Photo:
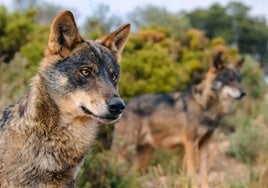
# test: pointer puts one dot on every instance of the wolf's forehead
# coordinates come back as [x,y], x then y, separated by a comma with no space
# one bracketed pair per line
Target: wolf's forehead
[89,53]
[95,47]
[100,50]
[101,53]
[233,71]
[92,52]
[229,71]
[229,74]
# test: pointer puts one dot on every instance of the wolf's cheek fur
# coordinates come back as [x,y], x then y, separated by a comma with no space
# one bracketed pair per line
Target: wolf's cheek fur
[63,81]
[217,85]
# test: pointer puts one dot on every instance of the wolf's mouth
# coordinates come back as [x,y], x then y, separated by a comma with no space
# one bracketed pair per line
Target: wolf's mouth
[103,119]
[87,111]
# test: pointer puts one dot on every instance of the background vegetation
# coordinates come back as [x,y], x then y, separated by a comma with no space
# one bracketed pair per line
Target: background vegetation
[166,52]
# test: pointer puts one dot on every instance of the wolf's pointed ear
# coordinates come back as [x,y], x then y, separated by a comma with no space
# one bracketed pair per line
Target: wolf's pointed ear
[218,63]
[116,40]
[63,36]
[240,63]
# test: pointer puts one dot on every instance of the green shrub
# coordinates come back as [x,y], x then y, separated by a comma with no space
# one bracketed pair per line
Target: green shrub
[15,78]
[99,170]
[34,50]
[249,118]
[15,29]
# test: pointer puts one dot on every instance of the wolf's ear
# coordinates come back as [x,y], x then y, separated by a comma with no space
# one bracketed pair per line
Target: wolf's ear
[218,63]
[63,36]
[116,40]
[240,63]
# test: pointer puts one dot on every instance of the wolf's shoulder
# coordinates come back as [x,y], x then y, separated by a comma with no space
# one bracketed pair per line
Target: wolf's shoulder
[148,103]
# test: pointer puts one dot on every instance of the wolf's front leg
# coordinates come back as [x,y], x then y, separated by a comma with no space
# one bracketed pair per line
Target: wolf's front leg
[189,147]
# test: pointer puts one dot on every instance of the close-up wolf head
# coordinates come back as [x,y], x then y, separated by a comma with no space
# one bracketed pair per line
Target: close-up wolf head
[82,75]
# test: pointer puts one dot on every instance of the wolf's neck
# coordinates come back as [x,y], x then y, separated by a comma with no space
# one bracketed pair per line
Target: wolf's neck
[41,107]
[68,141]
[203,95]
[209,102]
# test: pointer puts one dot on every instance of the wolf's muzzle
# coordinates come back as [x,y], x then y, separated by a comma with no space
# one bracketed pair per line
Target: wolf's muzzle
[116,106]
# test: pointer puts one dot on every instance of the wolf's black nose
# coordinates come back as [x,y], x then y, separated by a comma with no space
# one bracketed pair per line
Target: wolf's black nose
[116,105]
[243,93]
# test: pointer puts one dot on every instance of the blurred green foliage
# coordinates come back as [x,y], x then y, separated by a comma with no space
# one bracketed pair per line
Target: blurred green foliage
[34,49]
[251,128]
[153,15]
[167,52]
[101,22]
[155,62]
[234,23]
[14,80]
[15,29]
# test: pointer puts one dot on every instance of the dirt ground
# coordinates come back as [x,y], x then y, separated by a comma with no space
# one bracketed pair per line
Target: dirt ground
[224,171]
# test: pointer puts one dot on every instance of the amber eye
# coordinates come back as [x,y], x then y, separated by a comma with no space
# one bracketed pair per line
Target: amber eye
[85,72]
[114,76]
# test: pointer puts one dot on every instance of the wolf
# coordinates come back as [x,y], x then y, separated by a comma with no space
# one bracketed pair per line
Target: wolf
[47,134]
[186,118]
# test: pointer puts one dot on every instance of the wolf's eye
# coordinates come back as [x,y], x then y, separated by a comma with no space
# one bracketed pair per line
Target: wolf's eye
[114,76]
[85,72]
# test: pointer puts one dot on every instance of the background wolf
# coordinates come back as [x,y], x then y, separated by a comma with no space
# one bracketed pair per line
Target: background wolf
[45,136]
[188,118]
